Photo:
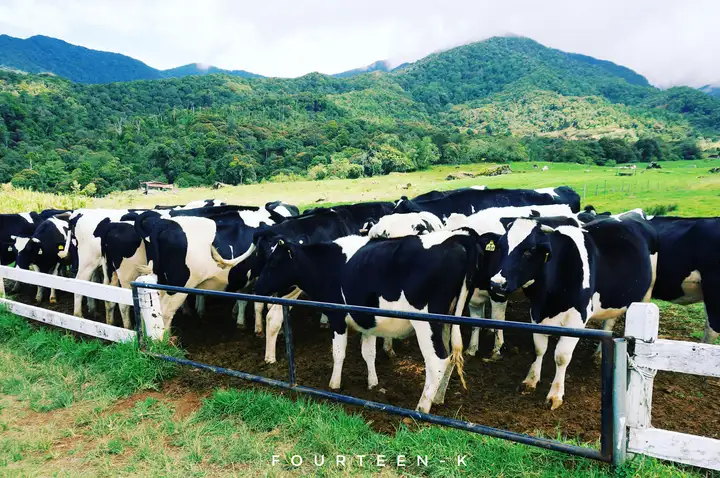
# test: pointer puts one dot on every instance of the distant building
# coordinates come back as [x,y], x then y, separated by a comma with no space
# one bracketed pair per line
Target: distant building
[156,186]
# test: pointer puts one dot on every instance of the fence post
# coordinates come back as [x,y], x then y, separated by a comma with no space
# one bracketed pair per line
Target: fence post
[641,324]
[619,452]
[150,309]
[2,287]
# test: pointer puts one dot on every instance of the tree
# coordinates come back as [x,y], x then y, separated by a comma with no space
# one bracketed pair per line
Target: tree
[688,150]
[393,159]
[424,153]
[27,179]
[648,149]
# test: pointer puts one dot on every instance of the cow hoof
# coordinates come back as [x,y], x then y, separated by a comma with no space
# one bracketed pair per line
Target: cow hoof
[390,353]
[554,402]
[496,357]
[471,352]
[527,388]
[324,325]
[259,334]
[372,385]
[53,300]
[334,386]
[270,361]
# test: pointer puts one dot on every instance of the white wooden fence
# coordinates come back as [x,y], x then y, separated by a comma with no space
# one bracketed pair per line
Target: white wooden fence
[59,319]
[650,355]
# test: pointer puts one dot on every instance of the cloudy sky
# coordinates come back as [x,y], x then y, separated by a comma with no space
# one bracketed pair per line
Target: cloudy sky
[669,41]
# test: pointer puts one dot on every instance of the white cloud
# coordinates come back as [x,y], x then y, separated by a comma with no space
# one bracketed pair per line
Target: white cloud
[668,41]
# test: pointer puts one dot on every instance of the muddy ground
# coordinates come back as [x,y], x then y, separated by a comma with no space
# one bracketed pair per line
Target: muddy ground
[681,402]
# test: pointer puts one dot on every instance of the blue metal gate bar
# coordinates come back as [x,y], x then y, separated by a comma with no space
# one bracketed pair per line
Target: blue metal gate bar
[608,412]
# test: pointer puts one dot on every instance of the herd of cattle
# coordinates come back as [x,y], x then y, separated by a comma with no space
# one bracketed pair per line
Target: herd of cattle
[436,253]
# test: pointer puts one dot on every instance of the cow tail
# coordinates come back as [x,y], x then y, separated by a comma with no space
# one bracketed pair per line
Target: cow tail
[456,357]
[230,263]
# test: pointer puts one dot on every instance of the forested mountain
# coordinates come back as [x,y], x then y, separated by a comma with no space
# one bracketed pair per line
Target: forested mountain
[712,90]
[41,54]
[504,99]
[382,65]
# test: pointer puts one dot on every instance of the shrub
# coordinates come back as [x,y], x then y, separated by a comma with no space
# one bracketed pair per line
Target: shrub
[661,209]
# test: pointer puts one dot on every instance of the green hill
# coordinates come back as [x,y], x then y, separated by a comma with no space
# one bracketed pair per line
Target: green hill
[499,100]
[41,54]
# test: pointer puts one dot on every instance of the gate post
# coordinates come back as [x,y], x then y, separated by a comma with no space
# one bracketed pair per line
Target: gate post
[641,324]
[150,309]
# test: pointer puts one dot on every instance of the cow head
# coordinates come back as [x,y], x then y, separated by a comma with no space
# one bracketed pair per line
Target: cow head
[281,271]
[404,205]
[522,253]
[46,248]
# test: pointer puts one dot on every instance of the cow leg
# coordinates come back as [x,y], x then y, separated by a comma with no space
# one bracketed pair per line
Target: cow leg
[200,305]
[710,285]
[476,306]
[608,325]
[92,303]
[85,272]
[39,293]
[368,353]
[435,367]
[239,310]
[259,309]
[274,324]
[563,355]
[388,347]
[338,350]
[324,322]
[533,376]
[259,324]
[110,306]
[169,304]
[125,314]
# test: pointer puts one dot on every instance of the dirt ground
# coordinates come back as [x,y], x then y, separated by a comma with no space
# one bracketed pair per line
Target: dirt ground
[683,403]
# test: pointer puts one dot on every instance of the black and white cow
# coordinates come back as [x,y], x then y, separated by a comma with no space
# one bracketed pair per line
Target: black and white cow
[123,252]
[86,247]
[282,208]
[15,225]
[361,215]
[322,225]
[488,223]
[45,251]
[206,252]
[589,214]
[192,205]
[571,275]
[469,201]
[429,273]
[689,265]
[405,224]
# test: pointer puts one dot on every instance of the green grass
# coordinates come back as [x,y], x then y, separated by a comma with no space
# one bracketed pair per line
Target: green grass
[692,189]
[76,407]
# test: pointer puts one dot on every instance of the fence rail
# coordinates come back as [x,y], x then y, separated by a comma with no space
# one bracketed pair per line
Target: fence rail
[649,356]
[59,319]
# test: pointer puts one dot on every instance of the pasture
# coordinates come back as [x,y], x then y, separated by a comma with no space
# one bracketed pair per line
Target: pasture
[61,411]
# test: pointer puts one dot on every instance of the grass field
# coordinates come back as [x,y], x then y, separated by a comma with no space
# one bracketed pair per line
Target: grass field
[693,189]
[71,407]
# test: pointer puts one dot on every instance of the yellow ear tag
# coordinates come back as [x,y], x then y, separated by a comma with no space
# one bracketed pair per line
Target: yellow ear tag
[547,254]
[490,246]
[61,247]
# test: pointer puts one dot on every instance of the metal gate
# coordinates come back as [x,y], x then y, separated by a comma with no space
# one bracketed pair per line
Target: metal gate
[613,367]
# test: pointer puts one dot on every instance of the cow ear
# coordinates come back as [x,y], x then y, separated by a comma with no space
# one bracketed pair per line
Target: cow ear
[546,229]
[534,213]
[507,222]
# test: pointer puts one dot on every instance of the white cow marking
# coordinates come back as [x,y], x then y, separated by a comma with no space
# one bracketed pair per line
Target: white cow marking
[21,242]
[26,216]
[403,224]
[254,218]
[479,188]
[576,234]
[498,278]
[438,237]
[518,232]
[283,211]
[550,191]
[351,244]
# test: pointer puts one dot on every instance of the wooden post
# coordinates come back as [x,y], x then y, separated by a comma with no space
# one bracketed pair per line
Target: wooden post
[641,324]
[150,309]
[596,189]
[2,287]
